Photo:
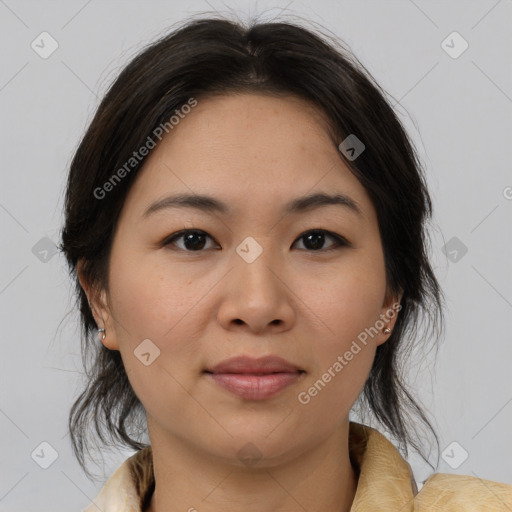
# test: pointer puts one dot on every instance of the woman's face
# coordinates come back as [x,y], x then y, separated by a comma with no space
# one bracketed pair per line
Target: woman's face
[254,281]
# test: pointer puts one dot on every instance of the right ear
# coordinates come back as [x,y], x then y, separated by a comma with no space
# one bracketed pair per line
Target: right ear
[97,298]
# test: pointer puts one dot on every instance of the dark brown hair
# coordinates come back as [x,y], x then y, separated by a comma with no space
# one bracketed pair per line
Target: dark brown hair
[219,56]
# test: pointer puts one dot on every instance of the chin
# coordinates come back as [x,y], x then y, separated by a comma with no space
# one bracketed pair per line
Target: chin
[252,448]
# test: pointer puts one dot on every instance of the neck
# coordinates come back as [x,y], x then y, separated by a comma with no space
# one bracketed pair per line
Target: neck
[320,479]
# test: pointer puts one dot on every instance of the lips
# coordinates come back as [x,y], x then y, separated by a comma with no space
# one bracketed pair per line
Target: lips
[263,365]
[255,379]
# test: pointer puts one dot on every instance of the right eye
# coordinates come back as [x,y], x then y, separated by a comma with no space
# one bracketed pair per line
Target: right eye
[192,240]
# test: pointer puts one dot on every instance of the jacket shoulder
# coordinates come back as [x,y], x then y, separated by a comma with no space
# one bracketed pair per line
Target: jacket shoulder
[118,494]
[447,493]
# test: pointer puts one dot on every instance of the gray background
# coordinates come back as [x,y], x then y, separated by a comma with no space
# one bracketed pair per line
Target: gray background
[458,111]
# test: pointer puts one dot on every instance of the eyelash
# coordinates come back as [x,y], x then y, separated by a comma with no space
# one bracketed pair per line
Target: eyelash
[339,241]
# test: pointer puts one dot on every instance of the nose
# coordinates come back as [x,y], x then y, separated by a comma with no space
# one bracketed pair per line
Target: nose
[257,297]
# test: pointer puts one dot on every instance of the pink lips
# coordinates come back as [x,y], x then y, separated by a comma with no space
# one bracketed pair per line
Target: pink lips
[255,379]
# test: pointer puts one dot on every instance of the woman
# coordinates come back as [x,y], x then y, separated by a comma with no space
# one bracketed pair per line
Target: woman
[245,222]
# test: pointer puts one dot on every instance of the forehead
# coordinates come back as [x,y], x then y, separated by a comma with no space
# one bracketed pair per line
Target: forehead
[254,124]
[244,146]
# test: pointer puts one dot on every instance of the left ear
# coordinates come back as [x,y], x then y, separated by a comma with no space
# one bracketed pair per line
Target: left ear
[388,316]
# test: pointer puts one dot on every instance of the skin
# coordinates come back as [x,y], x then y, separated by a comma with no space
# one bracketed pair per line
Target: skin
[306,305]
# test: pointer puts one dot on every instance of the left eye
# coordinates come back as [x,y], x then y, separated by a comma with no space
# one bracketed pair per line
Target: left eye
[313,240]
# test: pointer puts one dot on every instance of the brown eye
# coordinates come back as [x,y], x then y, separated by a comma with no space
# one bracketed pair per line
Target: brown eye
[314,240]
[191,240]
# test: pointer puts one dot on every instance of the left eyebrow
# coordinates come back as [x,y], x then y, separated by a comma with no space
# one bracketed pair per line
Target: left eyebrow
[320,199]
[210,204]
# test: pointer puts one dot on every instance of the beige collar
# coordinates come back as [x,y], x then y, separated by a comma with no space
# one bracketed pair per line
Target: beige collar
[385,478]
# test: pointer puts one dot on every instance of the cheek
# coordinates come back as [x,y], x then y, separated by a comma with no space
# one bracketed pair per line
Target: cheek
[150,301]
[342,363]
[347,307]
[331,392]
[350,299]
[149,304]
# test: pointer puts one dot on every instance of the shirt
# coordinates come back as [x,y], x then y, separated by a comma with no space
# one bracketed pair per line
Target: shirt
[385,483]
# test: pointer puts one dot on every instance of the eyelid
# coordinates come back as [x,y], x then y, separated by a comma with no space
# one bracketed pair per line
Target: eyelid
[178,234]
[339,241]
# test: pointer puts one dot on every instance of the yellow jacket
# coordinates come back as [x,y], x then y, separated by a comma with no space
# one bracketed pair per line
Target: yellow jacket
[386,483]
